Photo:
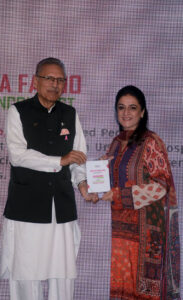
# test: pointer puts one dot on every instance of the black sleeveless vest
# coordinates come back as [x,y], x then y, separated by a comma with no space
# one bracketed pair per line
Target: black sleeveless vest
[30,192]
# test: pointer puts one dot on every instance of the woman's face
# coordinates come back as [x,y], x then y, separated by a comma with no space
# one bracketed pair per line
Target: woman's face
[129,112]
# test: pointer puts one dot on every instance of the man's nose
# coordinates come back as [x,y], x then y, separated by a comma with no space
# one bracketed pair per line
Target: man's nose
[55,82]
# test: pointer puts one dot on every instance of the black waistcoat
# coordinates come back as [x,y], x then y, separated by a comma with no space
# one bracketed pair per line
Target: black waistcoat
[31,192]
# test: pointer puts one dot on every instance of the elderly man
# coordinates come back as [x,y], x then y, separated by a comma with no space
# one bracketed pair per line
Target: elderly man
[47,152]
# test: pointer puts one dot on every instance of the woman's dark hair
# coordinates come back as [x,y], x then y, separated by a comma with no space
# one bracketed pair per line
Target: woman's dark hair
[142,126]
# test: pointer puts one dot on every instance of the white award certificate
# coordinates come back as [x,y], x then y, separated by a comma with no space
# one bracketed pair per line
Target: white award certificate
[98,176]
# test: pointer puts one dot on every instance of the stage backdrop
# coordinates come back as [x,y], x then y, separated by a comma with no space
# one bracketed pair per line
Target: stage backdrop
[105,44]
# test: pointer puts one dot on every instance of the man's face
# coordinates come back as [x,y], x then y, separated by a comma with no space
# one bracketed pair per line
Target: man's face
[48,90]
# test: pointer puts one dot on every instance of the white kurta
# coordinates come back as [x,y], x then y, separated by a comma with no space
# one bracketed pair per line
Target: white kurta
[33,251]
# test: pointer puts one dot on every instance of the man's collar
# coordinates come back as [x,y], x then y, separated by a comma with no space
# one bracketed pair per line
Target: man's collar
[37,103]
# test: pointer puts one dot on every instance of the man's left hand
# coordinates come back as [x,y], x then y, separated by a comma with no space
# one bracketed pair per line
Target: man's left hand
[84,193]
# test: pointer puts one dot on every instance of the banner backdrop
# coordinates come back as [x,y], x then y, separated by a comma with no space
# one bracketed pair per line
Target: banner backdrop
[105,44]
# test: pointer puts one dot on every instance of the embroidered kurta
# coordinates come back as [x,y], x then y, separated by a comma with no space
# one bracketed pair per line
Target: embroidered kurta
[145,255]
[33,251]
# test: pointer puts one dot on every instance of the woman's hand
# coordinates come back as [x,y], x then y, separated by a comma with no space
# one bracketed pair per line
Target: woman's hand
[106,157]
[108,196]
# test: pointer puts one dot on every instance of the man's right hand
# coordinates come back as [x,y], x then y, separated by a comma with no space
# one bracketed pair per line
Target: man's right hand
[72,157]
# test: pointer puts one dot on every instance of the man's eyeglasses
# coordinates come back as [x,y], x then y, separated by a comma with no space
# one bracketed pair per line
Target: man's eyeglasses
[51,79]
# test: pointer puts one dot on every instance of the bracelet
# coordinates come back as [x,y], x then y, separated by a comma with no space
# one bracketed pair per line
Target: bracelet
[81,182]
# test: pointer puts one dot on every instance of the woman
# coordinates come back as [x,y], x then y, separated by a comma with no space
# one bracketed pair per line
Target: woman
[145,243]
